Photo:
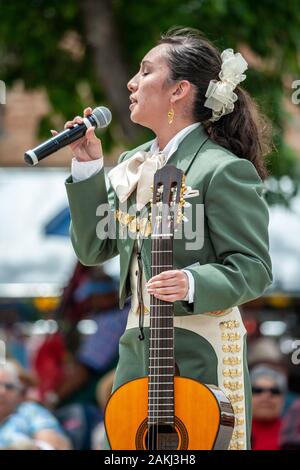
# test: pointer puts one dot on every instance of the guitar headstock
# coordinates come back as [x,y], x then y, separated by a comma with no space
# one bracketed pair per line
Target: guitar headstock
[167,201]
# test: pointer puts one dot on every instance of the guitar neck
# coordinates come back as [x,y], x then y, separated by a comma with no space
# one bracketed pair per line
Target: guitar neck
[161,347]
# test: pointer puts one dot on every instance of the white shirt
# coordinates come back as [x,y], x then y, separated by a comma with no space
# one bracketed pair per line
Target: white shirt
[83,170]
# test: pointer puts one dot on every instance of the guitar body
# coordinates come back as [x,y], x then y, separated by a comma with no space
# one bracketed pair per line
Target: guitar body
[203,418]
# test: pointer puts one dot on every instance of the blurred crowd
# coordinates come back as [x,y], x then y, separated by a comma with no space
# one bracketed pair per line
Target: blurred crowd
[275,408]
[54,386]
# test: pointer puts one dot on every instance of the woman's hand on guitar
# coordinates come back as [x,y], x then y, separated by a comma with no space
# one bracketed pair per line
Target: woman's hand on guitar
[169,285]
[89,146]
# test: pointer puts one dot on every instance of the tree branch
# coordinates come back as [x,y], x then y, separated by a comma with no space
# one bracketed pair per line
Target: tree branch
[102,38]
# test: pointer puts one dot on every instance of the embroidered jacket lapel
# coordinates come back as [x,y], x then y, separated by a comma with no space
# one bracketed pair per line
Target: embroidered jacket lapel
[188,149]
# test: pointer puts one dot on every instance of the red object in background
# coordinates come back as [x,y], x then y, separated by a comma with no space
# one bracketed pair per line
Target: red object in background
[70,309]
[48,363]
[250,325]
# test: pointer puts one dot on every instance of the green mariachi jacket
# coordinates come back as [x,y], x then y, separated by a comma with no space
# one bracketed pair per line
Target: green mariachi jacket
[232,267]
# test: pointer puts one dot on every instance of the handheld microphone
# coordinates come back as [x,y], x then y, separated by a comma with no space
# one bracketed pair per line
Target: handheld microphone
[100,118]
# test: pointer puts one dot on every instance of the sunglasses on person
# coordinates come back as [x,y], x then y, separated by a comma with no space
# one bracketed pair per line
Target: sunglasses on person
[271,390]
[8,386]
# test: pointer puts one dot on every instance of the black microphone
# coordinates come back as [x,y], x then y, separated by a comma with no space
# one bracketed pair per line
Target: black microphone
[100,118]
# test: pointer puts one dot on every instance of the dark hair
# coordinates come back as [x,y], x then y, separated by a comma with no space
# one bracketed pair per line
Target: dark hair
[245,131]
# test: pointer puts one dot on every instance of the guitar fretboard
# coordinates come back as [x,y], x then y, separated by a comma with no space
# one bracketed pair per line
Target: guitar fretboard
[161,354]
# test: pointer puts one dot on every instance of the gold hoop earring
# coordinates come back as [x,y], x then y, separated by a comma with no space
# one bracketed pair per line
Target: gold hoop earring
[171,115]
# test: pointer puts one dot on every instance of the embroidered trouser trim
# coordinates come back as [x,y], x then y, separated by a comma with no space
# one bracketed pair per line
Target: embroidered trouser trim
[209,348]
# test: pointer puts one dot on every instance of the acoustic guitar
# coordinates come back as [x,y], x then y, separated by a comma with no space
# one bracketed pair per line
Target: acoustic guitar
[165,411]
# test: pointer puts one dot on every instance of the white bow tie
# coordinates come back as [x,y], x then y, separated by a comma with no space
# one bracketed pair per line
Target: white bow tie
[137,172]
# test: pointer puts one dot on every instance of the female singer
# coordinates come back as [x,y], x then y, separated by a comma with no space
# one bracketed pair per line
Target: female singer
[188,94]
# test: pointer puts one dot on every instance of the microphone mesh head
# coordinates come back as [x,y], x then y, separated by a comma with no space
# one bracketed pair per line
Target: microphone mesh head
[102,116]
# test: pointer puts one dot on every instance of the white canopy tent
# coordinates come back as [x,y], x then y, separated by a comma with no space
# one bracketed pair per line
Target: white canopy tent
[31,263]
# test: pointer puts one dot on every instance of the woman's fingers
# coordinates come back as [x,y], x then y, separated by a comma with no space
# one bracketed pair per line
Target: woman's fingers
[168,297]
[68,124]
[160,284]
[53,132]
[164,290]
[166,278]
[78,119]
[87,147]
[87,111]
[165,275]
[78,143]
[169,285]
[91,136]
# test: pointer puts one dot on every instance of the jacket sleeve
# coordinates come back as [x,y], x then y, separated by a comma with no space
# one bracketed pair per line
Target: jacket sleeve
[237,217]
[92,219]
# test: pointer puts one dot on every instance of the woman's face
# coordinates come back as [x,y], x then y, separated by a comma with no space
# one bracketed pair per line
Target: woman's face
[150,98]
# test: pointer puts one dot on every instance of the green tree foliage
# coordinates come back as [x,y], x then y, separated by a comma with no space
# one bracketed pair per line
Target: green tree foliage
[31,34]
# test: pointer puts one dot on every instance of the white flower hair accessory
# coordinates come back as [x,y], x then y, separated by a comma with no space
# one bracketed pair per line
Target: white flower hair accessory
[219,94]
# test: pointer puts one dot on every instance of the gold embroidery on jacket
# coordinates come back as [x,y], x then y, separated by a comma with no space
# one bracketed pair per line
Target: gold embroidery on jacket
[135,224]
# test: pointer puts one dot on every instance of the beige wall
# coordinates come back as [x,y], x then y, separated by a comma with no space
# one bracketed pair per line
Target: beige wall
[18,129]
[22,112]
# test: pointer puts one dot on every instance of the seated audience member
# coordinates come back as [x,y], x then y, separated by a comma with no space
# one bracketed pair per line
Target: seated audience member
[269,387]
[25,424]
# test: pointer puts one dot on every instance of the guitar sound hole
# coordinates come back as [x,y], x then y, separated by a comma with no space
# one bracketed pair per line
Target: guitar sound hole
[161,437]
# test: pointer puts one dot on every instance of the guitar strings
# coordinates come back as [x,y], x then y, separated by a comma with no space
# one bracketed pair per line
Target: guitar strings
[161,256]
[156,343]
